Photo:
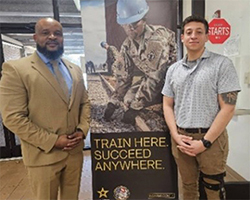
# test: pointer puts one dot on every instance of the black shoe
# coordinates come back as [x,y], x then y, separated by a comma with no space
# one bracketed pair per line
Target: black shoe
[109,111]
[129,116]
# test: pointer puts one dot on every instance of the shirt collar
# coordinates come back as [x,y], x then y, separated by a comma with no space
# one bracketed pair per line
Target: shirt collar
[205,54]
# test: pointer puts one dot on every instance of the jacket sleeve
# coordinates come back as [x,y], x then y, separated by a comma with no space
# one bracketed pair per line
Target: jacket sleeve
[14,110]
[84,110]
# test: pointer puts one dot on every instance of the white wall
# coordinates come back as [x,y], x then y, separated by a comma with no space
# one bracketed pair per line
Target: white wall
[239,149]
[187,8]
[237,48]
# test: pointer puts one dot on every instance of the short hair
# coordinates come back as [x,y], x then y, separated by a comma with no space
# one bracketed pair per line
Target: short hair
[194,18]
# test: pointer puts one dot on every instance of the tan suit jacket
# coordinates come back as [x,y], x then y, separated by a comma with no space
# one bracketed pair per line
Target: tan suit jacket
[34,107]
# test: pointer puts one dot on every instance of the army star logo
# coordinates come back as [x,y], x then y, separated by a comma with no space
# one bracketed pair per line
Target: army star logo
[103,193]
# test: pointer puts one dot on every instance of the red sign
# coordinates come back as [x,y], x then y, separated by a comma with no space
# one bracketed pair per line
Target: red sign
[219,31]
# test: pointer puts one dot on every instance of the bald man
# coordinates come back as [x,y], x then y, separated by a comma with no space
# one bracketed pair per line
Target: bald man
[45,103]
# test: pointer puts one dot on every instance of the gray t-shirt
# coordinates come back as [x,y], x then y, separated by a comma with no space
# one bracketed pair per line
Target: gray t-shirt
[195,89]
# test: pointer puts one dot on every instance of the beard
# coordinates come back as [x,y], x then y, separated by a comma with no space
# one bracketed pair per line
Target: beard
[52,55]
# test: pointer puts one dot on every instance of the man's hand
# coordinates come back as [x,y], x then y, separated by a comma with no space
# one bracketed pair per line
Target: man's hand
[75,138]
[69,142]
[182,140]
[194,148]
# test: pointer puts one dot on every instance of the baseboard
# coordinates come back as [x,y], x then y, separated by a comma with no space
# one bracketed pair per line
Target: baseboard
[233,175]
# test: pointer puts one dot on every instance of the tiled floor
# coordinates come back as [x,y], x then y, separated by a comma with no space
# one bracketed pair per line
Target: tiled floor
[14,182]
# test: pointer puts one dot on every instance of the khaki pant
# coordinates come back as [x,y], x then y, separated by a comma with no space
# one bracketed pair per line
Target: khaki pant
[211,162]
[61,178]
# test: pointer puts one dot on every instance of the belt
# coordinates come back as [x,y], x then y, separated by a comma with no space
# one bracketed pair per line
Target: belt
[194,130]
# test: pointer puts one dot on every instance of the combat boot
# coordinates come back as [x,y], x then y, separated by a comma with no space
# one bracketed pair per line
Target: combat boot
[129,116]
[109,111]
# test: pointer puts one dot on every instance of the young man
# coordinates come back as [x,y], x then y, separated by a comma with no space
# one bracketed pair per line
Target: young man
[200,94]
[44,101]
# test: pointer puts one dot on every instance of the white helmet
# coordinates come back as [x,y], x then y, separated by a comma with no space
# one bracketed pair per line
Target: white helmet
[130,11]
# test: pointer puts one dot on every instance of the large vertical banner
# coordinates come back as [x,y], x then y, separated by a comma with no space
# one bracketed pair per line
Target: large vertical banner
[129,45]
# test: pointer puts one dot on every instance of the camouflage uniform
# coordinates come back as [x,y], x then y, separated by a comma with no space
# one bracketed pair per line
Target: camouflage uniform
[152,56]
[111,54]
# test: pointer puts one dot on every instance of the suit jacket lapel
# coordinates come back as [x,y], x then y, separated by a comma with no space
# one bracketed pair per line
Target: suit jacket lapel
[40,66]
[74,80]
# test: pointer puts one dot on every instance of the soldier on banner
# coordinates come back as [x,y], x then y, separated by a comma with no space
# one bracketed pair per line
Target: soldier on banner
[149,48]
[112,54]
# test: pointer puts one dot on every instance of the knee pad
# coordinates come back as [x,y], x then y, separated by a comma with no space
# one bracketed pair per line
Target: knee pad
[215,187]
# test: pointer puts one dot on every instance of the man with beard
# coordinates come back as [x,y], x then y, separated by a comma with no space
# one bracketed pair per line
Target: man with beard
[44,102]
[149,48]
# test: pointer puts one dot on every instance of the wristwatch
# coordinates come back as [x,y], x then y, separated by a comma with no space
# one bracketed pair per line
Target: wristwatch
[206,143]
